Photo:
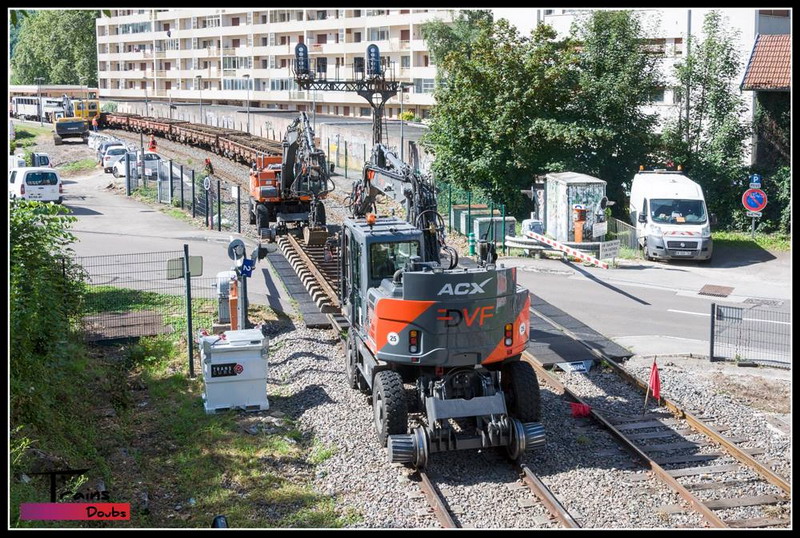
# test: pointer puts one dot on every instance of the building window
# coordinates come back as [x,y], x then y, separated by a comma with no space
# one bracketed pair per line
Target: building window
[264,41]
[356,13]
[322,39]
[237,84]
[356,37]
[657,95]
[364,111]
[378,34]
[423,85]
[322,15]
[235,21]
[322,65]
[405,62]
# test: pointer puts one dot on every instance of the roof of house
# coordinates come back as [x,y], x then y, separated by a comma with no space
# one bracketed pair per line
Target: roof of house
[770,65]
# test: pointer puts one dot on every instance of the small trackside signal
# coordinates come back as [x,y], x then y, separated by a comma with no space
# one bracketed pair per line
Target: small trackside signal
[509,334]
[413,341]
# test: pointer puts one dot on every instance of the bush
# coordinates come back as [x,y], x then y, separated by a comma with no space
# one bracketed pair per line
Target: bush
[46,290]
[407,115]
[12,147]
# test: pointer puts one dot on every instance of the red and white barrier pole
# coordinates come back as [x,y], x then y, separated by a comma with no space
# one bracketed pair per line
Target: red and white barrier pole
[564,248]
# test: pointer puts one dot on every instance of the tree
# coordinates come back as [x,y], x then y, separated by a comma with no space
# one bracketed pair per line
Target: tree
[58,46]
[711,141]
[502,109]
[618,77]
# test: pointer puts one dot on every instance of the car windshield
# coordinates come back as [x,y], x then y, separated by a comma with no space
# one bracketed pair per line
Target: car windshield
[386,258]
[41,178]
[116,151]
[678,211]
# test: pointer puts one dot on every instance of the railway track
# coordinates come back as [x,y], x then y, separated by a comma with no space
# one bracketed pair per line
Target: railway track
[713,476]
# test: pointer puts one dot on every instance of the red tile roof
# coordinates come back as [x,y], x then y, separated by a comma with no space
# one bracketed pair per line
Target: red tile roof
[770,66]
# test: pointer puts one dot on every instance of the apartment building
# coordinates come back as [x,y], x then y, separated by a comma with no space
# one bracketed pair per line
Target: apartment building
[234,56]
[667,30]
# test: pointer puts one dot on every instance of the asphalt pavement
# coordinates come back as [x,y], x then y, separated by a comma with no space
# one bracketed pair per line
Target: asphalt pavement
[652,308]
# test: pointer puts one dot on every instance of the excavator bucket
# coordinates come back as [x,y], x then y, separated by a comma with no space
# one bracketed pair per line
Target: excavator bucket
[316,237]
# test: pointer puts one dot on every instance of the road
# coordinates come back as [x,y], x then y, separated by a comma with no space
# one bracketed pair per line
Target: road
[654,308]
[650,308]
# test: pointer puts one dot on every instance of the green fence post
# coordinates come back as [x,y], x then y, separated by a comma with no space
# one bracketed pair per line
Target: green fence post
[469,210]
[193,197]
[450,207]
[504,229]
[345,160]
[181,186]
[187,276]
[219,206]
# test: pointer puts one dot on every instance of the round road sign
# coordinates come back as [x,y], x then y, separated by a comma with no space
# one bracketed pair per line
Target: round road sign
[754,199]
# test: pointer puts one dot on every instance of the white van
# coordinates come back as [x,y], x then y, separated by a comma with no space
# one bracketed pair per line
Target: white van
[40,184]
[670,215]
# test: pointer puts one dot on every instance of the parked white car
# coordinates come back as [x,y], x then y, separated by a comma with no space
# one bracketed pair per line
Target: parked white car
[112,155]
[151,161]
[40,184]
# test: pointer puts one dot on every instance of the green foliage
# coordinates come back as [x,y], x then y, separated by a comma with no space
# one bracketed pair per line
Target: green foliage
[617,79]
[12,147]
[711,144]
[45,295]
[510,107]
[58,45]
[108,107]
[28,155]
[79,166]
[775,242]
[406,115]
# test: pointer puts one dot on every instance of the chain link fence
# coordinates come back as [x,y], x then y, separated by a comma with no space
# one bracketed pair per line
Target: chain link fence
[146,294]
[623,232]
[756,334]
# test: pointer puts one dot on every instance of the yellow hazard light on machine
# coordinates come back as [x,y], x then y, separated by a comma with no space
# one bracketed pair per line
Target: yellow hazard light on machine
[371,218]
[509,334]
[680,167]
[413,341]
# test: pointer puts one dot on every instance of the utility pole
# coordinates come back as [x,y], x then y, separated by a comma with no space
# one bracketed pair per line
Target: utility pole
[39,93]
[199,80]
[146,102]
[247,78]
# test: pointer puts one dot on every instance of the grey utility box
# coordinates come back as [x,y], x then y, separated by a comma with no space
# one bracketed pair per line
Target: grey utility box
[480,227]
[563,190]
[235,371]
[223,294]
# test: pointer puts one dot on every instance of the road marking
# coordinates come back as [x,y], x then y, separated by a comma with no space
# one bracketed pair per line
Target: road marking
[745,319]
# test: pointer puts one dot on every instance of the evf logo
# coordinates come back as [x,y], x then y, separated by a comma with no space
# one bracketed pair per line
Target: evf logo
[463,288]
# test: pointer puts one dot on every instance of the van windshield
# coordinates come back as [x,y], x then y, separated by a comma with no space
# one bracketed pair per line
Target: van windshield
[678,211]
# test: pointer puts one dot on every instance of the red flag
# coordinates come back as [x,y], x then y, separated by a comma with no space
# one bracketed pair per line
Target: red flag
[580,410]
[655,382]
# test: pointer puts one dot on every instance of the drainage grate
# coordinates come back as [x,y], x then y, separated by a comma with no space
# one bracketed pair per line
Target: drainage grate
[763,302]
[716,291]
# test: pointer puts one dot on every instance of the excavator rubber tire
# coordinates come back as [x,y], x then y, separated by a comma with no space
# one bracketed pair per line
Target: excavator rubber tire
[521,387]
[389,405]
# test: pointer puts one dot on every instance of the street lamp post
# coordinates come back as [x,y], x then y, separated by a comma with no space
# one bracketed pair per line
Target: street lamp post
[146,101]
[40,108]
[199,80]
[247,78]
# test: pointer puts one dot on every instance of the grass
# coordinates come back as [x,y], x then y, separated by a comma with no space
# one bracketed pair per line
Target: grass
[76,167]
[27,134]
[176,453]
[772,242]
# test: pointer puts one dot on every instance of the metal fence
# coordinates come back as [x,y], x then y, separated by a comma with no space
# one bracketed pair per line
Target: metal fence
[219,204]
[624,232]
[756,334]
[146,294]
[461,207]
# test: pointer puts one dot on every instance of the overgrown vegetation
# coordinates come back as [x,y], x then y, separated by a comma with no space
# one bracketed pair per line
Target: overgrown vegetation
[76,167]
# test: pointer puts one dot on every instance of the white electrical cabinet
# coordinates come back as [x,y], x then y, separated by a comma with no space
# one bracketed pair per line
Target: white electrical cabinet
[235,371]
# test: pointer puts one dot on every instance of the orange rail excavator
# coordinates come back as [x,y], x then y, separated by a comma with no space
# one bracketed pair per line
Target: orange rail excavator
[290,188]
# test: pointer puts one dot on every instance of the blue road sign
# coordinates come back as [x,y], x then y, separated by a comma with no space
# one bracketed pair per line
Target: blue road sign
[247,267]
[755,178]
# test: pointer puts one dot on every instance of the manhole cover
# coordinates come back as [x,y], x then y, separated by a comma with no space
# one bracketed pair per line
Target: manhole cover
[716,291]
[763,302]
